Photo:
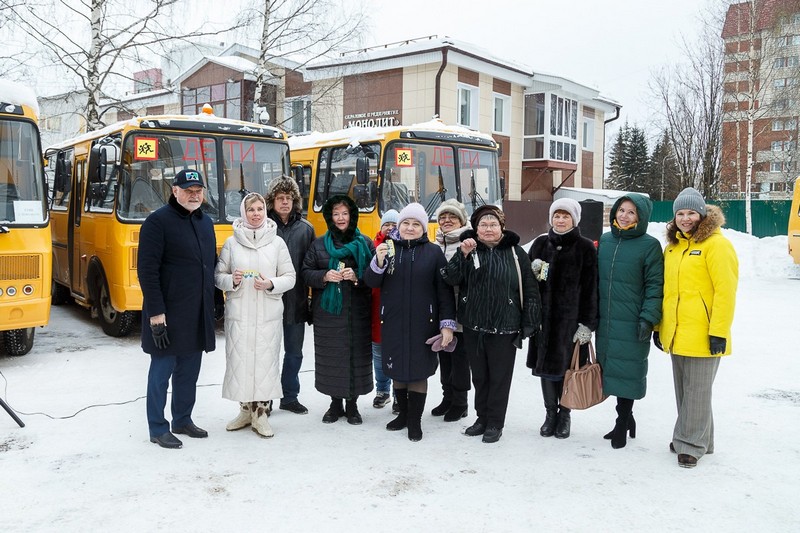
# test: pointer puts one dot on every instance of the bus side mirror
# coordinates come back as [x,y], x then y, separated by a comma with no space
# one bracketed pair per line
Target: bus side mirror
[61,179]
[362,196]
[297,174]
[100,158]
[362,171]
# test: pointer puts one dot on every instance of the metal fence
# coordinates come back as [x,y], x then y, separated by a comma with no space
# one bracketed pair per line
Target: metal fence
[770,217]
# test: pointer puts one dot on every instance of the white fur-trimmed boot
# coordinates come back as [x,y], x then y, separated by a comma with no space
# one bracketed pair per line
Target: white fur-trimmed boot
[259,420]
[242,420]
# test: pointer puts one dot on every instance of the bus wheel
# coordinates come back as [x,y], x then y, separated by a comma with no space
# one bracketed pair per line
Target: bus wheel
[19,341]
[59,294]
[115,323]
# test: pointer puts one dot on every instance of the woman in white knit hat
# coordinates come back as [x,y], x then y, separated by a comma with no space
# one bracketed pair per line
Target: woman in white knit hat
[383,383]
[416,305]
[701,273]
[565,265]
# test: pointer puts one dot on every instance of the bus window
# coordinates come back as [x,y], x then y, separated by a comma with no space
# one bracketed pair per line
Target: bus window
[423,173]
[249,167]
[337,173]
[150,161]
[21,181]
[479,181]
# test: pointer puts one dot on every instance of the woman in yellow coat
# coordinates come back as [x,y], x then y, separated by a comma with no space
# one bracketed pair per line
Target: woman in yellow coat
[701,273]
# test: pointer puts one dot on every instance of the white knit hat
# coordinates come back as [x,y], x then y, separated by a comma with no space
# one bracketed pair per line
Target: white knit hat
[390,216]
[415,211]
[570,206]
[451,205]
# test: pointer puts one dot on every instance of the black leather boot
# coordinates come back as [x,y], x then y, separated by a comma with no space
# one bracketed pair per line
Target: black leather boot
[623,424]
[631,424]
[563,419]
[550,395]
[334,412]
[563,423]
[351,410]
[416,405]
[401,395]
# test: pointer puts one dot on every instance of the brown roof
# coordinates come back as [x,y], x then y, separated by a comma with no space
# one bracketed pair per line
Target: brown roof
[737,19]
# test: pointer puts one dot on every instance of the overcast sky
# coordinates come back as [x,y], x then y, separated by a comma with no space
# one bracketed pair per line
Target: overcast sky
[610,44]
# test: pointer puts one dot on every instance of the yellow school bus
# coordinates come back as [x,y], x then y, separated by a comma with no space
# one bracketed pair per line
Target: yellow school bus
[794,224]
[390,167]
[106,182]
[25,262]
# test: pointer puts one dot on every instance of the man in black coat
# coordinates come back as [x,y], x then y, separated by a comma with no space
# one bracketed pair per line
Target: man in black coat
[285,207]
[177,251]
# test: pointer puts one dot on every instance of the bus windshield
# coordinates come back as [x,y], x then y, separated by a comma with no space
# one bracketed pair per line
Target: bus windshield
[432,173]
[151,161]
[22,197]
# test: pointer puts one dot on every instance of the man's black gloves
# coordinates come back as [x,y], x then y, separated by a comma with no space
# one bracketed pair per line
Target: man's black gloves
[160,337]
[657,341]
[717,344]
[644,331]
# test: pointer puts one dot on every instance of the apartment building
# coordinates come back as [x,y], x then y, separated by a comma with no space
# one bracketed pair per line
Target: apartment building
[762,87]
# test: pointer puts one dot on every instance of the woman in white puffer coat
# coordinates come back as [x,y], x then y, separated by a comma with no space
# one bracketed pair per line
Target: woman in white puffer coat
[254,269]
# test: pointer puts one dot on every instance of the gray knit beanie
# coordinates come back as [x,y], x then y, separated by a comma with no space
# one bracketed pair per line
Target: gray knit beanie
[689,198]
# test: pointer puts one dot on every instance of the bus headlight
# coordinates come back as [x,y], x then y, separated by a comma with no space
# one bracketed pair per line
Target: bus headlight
[27,290]
[1,291]
[11,291]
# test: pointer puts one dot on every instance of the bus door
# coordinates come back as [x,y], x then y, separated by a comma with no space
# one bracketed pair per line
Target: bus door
[76,254]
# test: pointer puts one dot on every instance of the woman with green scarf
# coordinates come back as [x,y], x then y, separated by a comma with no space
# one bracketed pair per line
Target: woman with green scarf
[341,308]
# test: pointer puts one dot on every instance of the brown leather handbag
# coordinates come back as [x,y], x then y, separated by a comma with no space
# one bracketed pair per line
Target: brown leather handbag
[583,387]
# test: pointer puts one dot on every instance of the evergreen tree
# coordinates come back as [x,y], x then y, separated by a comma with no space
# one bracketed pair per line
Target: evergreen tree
[663,171]
[616,163]
[637,161]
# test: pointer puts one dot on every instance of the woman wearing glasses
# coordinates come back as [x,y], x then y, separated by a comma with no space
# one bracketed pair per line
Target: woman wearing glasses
[498,306]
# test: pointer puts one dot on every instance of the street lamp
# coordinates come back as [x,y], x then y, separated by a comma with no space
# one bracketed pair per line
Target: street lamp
[663,164]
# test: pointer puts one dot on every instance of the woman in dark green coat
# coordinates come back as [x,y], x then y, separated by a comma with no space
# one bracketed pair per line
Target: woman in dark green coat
[631,268]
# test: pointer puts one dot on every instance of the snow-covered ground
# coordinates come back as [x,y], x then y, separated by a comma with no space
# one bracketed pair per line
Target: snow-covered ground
[84,463]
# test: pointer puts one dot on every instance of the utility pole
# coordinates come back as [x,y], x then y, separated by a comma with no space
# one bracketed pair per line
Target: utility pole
[663,164]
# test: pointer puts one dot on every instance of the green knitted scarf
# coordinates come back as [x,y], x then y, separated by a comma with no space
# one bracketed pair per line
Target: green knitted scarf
[357,249]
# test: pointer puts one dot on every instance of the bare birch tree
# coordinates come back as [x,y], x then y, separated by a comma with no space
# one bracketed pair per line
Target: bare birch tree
[93,40]
[303,30]
[690,95]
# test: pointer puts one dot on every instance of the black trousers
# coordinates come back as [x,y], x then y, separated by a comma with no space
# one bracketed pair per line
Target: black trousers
[491,358]
[454,373]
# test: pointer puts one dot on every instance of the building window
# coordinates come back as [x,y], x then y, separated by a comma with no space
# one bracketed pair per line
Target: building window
[587,135]
[468,106]
[777,125]
[502,114]
[224,98]
[777,146]
[297,112]
[776,166]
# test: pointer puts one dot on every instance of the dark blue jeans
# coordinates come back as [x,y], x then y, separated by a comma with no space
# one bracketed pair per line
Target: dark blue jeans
[293,336]
[383,383]
[183,370]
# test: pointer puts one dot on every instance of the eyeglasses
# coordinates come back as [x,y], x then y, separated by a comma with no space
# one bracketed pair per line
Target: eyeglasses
[489,226]
[447,216]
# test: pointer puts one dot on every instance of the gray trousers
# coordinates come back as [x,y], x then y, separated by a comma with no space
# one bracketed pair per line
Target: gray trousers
[694,379]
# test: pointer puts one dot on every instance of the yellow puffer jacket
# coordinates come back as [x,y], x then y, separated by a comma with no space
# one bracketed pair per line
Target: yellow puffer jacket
[701,273]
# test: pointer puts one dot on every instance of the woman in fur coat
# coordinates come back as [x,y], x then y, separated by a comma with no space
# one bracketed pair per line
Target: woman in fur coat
[254,270]
[565,264]
[701,273]
[341,307]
